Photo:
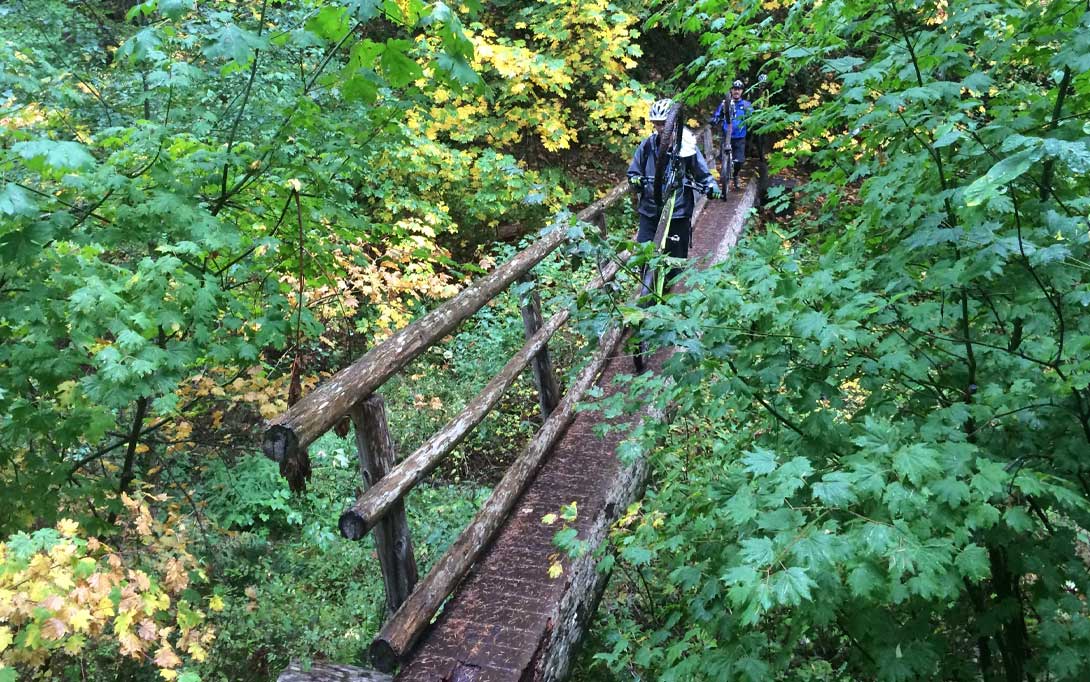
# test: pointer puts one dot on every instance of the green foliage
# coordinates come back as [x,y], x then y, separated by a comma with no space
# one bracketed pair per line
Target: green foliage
[206,205]
[213,190]
[276,581]
[879,455]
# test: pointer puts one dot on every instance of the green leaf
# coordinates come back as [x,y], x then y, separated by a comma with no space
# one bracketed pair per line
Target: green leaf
[458,68]
[331,23]
[760,461]
[234,44]
[53,155]
[1003,172]
[175,9]
[637,556]
[835,489]
[362,10]
[973,563]
[1019,520]
[757,551]
[917,463]
[863,580]
[950,491]
[399,68]
[14,200]
[792,587]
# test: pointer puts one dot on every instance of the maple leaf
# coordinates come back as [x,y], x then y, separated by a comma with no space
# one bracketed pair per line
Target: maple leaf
[74,645]
[147,630]
[176,578]
[54,629]
[68,527]
[131,645]
[143,583]
[80,620]
[166,658]
[197,652]
[53,602]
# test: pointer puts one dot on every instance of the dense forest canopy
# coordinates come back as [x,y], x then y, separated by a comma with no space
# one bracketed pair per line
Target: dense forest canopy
[878,464]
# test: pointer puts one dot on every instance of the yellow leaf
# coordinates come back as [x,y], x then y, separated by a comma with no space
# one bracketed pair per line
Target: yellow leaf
[80,620]
[549,519]
[123,622]
[74,645]
[168,674]
[215,603]
[67,527]
[198,653]
[5,637]
[556,570]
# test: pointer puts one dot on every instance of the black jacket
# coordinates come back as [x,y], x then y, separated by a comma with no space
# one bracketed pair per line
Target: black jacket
[643,164]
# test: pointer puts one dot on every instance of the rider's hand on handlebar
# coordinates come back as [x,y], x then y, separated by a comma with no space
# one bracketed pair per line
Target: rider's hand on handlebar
[714,192]
[636,183]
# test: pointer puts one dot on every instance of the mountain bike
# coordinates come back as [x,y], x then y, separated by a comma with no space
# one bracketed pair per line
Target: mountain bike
[726,154]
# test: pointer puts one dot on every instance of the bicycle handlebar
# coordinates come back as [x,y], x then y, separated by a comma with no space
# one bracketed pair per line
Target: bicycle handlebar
[703,189]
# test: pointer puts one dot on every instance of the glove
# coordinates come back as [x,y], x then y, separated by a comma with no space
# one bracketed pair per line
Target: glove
[714,192]
[636,183]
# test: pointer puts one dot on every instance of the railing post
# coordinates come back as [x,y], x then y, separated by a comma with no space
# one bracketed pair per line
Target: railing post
[548,391]
[392,542]
[600,221]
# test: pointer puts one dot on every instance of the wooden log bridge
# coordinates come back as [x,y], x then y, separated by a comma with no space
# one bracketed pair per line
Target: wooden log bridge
[502,616]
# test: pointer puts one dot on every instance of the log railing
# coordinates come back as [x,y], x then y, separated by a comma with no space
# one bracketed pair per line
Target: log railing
[351,393]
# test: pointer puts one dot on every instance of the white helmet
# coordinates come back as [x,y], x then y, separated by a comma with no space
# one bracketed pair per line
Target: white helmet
[660,109]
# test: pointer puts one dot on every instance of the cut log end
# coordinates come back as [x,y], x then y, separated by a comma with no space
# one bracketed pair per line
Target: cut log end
[383,656]
[280,443]
[352,525]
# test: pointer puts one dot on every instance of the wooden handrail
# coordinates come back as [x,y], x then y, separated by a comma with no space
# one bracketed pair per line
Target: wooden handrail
[288,435]
[373,504]
[405,627]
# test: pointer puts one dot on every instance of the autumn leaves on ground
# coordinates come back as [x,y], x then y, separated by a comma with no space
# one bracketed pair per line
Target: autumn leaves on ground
[877,467]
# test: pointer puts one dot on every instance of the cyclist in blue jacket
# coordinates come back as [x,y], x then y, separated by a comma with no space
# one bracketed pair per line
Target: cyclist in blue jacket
[734,125]
[641,173]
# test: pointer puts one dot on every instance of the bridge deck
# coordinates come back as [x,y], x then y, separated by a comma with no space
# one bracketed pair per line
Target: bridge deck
[503,620]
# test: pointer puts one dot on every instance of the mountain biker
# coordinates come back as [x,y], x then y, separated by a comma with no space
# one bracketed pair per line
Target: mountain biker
[734,125]
[641,173]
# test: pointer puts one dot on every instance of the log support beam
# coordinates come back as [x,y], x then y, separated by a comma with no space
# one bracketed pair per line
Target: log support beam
[392,542]
[548,390]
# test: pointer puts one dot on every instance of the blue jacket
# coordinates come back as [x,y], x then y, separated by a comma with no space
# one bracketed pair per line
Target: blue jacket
[643,165]
[738,112]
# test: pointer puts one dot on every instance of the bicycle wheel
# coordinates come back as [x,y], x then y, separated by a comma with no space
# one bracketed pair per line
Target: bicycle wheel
[669,149]
[726,164]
